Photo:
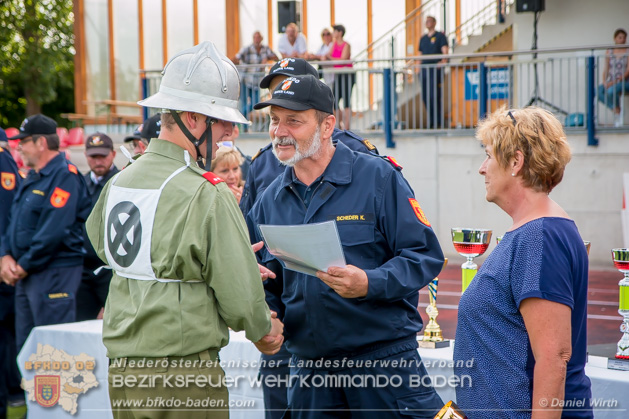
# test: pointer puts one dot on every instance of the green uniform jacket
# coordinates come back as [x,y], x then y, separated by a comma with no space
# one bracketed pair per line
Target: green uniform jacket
[198,234]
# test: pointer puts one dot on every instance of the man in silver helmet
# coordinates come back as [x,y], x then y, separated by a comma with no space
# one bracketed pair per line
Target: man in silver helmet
[183,269]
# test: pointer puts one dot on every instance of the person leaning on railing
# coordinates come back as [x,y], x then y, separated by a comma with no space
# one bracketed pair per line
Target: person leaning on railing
[615,76]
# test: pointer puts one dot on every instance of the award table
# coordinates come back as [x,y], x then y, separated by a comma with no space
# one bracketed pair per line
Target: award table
[76,354]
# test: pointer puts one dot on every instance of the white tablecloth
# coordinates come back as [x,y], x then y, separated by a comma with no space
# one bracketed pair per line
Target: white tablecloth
[241,361]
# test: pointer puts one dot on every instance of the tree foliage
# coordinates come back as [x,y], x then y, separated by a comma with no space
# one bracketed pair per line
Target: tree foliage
[36,58]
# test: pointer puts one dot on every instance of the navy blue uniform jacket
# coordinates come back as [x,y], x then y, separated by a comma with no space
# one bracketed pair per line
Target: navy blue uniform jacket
[50,207]
[265,167]
[380,229]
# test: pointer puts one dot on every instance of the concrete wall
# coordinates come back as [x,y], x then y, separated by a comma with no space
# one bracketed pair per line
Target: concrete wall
[443,171]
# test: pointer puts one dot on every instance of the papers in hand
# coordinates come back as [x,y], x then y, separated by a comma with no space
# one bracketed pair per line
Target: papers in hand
[306,248]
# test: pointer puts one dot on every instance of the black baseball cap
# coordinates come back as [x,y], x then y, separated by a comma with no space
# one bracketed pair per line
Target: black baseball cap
[289,67]
[98,144]
[150,128]
[36,124]
[301,93]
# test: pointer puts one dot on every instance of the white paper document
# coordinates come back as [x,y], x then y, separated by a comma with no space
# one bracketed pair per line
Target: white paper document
[306,248]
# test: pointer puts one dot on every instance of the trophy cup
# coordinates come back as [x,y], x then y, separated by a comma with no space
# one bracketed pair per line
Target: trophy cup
[470,242]
[433,338]
[450,411]
[621,262]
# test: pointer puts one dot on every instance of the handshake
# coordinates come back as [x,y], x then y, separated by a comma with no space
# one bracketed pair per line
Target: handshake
[272,342]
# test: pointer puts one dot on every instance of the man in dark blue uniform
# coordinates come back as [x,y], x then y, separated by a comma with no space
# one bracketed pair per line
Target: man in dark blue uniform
[92,294]
[9,377]
[358,319]
[266,167]
[42,248]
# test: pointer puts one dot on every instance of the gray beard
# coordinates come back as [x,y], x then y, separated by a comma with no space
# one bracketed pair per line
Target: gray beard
[311,151]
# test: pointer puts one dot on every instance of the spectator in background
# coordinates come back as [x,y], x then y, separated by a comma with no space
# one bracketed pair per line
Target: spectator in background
[100,154]
[432,43]
[10,180]
[343,81]
[226,165]
[255,53]
[292,44]
[149,129]
[615,76]
[42,250]
[322,55]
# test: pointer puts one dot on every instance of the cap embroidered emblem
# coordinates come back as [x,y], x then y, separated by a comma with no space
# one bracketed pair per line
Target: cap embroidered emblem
[284,62]
[96,141]
[286,84]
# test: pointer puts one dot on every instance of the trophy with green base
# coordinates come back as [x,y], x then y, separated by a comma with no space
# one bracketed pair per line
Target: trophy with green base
[433,337]
[470,242]
[621,261]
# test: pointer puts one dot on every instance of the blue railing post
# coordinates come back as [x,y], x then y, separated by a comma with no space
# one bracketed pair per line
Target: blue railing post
[591,100]
[145,93]
[387,124]
[482,94]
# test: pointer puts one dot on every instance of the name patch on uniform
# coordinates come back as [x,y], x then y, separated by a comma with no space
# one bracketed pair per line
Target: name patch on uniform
[352,217]
[8,180]
[38,192]
[212,178]
[58,295]
[59,198]
[419,212]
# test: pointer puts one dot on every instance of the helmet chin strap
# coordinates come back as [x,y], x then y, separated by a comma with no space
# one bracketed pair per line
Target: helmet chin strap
[197,142]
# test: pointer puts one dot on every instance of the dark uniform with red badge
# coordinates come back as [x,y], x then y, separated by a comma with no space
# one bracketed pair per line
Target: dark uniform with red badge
[44,235]
[9,377]
[385,234]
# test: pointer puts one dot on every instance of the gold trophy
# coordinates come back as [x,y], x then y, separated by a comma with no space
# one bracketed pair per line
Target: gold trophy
[433,338]
[450,411]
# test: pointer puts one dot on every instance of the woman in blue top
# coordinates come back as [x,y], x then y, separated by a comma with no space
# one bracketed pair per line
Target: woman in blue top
[523,318]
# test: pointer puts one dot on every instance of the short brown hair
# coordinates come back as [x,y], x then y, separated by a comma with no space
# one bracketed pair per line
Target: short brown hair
[537,134]
[619,31]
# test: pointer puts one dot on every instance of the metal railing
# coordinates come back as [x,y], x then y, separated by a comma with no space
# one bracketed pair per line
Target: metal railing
[397,94]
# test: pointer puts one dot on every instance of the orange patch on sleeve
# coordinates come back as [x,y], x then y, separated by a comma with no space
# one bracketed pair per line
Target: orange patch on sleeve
[419,212]
[73,169]
[59,198]
[7,180]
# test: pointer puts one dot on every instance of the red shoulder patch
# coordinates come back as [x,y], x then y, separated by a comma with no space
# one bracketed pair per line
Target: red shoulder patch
[212,178]
[394,163]
[72,168]
[419,212]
